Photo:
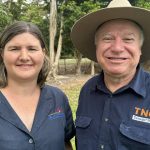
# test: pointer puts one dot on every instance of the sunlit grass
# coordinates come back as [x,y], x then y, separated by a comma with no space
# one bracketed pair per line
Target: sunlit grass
[72,93]
[71,87]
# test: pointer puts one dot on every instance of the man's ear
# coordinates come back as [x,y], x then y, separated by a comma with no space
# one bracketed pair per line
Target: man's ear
[140,52]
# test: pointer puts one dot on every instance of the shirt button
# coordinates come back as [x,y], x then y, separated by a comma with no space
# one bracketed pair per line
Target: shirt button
[106,119]
[110,95]
[30,141]
[102,146]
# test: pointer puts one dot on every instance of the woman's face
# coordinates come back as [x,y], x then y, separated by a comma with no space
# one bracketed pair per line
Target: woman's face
[23,58]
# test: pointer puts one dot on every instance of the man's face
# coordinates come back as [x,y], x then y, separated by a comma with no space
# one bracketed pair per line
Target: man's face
[118,47]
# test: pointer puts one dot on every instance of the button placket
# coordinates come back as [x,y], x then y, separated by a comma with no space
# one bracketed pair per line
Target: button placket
[31,141]
[102,146]
[106,119]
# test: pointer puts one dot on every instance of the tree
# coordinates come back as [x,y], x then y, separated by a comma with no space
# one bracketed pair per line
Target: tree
[55,25]
[5,16]
[57,32]
[15,8]
[72,12]
[37,13]
[143,3]
[52,33]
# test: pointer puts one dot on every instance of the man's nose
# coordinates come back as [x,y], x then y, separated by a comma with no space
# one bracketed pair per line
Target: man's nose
[117,45]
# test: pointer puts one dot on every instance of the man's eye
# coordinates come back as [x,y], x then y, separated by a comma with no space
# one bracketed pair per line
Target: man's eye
[107,39]
[128,40]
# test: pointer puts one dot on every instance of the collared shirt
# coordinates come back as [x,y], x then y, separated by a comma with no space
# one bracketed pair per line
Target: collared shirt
[52,126]
[114,121]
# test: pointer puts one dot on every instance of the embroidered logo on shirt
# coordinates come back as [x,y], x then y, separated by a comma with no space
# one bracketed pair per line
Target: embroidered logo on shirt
[142,115]
[57,114]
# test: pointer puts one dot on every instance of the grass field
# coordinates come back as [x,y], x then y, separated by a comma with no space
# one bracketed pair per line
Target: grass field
[71,88]
[73,94]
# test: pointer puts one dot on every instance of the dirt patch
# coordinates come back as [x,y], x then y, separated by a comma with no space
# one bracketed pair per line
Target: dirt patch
[68,80]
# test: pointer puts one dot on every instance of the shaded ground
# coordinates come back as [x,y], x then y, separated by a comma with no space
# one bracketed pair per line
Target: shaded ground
[68,81]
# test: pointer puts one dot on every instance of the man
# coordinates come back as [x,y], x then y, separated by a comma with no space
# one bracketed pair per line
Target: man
[114,106]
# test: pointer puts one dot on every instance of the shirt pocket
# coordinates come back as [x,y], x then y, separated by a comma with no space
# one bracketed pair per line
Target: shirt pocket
[83,131]
[82,122]
[134,137]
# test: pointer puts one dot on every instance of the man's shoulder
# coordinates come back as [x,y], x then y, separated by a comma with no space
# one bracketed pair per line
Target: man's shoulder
[92,82]
[146,76]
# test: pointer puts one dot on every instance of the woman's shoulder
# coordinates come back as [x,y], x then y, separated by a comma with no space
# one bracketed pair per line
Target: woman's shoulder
[56,95]
[54,92]
[52,89]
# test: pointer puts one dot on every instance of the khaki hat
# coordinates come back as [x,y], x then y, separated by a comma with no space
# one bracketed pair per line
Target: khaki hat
[83,31]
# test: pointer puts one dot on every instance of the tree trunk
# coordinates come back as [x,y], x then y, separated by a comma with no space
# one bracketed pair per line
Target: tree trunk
[9,4]
[78,66]
[59,48]
[92,68]
[55,53]
[52,30]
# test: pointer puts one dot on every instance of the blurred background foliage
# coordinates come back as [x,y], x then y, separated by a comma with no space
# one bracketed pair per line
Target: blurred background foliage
[38,12]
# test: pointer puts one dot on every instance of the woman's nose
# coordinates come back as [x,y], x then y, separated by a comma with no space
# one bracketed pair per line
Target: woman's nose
[24,56]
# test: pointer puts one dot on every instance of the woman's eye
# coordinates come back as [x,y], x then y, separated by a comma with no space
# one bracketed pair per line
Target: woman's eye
[14,49]
[32,49]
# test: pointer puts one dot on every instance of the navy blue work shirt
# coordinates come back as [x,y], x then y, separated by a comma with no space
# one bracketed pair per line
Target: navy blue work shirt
[114,121]
[52,126]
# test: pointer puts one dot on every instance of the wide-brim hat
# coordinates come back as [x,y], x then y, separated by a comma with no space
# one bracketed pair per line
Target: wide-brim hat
[83,31]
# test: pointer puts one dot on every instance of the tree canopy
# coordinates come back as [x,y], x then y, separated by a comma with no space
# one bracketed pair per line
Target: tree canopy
[38,12]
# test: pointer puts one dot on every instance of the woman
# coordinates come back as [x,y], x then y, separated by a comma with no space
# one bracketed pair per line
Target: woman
[32,115]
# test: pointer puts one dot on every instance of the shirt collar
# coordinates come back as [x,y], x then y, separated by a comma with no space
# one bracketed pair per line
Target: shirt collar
[137,84]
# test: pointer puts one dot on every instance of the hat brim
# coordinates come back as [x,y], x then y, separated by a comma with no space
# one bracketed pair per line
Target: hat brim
[83,31]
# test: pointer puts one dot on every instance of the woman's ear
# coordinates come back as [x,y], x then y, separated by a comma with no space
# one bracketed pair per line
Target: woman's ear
[1,55]
[44,50]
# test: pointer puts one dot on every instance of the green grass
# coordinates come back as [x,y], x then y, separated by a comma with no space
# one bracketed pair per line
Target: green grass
[72,93]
